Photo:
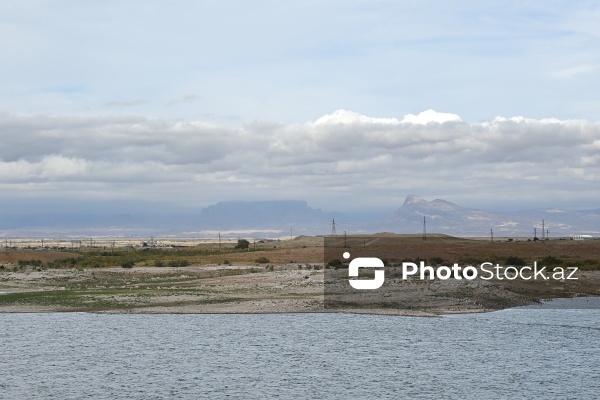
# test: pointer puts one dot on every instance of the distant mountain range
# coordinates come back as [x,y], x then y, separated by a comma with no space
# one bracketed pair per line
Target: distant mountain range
[441,216]
[292,217]
[444,217]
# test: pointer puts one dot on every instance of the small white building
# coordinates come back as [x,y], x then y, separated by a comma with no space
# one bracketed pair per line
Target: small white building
[583,237]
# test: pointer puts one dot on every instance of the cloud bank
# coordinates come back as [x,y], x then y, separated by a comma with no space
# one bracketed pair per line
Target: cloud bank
[341,161]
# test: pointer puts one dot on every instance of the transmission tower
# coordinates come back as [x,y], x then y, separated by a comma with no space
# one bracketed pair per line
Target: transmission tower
[424,229]
[333,231]
[543,230]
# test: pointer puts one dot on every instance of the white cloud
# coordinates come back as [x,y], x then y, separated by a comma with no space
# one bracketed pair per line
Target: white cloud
[345,117]
[331,162]
[348,117]
[57,166]
[430,116]
[51,167]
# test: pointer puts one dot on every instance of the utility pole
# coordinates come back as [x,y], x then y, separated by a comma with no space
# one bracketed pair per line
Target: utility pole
[535,233]
[291,233]
[219,242]
[344,238]
[492,234]
[547,231]
[424,229]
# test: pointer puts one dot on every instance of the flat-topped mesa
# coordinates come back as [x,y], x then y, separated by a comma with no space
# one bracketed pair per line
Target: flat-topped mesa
[277,215]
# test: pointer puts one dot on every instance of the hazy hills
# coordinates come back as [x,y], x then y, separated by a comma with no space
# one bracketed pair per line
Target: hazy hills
[265,216]
[441,216]
[278,218]
[445,217]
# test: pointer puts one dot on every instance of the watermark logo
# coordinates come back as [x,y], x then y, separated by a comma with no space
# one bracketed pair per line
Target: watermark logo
[426,272]
[366,262]
[389,272]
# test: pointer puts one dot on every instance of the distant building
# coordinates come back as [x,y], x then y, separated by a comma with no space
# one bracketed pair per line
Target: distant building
[583,237]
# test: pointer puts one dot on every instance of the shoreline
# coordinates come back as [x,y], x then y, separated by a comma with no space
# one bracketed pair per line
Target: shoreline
[238,289]
[391,313]
[282,277]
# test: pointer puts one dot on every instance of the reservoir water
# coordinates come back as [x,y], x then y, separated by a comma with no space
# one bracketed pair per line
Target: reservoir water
[517,353]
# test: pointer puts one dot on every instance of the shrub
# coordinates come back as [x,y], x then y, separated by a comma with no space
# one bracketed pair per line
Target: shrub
[514,260]
[335,263]
[33,263]
[550,261]
[179,263]
[590,265]
[242,244]
[262,260]
[127,264]
[470,261]
[159,264]
[436,260]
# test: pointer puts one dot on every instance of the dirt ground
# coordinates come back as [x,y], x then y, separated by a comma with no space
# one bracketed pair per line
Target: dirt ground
[294,280]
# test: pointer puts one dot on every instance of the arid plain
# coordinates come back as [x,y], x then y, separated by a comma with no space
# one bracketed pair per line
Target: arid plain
[280,276]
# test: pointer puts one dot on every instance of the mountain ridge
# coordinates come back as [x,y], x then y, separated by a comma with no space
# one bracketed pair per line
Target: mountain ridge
[295,217]
[443,216]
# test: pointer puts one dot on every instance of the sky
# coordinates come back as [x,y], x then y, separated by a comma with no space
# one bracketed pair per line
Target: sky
[350,105]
